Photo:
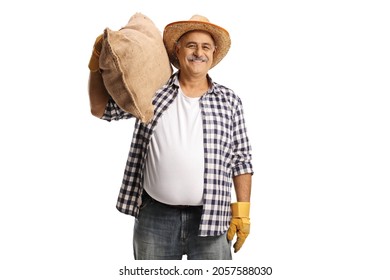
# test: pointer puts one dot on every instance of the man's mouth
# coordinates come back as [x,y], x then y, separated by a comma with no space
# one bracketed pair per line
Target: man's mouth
[193,58]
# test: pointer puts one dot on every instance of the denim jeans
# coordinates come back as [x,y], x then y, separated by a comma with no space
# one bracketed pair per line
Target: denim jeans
[163,232]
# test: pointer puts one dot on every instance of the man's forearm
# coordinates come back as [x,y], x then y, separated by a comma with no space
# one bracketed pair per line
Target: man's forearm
[242,186]
[98,95]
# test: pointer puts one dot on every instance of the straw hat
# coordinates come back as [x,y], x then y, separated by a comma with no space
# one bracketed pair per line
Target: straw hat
[175,30]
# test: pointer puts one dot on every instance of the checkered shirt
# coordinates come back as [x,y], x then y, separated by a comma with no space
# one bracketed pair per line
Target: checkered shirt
[226,148]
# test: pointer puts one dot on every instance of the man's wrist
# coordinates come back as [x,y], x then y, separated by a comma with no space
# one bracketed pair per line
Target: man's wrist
[240,209]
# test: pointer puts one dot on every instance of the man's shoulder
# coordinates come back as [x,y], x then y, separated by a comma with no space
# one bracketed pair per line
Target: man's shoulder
[166,92]
[223,90]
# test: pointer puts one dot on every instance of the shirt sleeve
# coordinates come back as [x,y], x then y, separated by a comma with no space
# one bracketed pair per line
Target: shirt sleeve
[242,150]
[114,113]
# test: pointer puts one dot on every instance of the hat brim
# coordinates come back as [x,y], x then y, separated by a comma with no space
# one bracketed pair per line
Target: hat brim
[175,30]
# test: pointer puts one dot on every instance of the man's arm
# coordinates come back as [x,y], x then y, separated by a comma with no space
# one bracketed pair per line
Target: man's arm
[240,223]
[98,95]
[242,186]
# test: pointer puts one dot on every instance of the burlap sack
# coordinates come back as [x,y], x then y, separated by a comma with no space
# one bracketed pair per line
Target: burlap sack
[134,64]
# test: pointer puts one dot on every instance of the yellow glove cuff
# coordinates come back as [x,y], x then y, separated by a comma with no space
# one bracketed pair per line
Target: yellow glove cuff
[93,64]
[240,209]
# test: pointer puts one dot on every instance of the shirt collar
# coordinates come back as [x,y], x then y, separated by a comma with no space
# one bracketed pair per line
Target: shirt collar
[214,89]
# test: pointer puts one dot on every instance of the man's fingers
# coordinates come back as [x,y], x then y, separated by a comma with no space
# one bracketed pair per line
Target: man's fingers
[240,241]
[241,237]
[231,232]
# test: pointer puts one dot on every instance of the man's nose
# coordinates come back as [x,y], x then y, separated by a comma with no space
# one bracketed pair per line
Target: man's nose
[197,51]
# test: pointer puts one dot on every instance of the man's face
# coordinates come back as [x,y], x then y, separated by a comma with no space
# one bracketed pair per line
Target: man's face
[195,52]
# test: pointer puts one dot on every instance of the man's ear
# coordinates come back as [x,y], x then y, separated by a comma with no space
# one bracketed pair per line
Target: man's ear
[177,48]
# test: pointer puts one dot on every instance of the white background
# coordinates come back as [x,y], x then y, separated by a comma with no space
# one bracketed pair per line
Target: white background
[314,80]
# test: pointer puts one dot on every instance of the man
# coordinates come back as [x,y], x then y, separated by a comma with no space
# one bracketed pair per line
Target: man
[182,165]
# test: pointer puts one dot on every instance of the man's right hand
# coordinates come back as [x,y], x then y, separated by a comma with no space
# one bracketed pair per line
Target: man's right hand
[97,48]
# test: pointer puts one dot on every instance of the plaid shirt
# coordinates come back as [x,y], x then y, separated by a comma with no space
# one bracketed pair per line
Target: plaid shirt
[226,148]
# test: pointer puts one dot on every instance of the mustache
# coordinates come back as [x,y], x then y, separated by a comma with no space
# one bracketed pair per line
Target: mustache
[192,57]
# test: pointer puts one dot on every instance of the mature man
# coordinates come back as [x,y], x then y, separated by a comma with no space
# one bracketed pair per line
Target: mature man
[183,164]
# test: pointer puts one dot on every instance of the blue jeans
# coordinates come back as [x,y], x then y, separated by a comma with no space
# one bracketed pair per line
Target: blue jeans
[163,232]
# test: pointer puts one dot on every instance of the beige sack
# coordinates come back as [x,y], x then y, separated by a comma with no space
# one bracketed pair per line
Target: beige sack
[134,65]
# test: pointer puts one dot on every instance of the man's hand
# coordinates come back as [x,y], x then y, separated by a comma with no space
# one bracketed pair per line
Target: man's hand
[97,48]
[240,224]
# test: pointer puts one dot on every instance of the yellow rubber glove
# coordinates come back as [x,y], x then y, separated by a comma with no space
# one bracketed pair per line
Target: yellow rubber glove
[240,224]
[97,48]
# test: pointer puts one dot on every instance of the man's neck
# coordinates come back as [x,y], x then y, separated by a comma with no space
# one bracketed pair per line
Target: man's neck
[193,86]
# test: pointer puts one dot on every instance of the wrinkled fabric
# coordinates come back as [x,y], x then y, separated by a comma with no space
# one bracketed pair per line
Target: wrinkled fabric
[134,65]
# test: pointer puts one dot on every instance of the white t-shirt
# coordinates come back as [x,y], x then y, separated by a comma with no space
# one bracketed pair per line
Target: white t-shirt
[174,168]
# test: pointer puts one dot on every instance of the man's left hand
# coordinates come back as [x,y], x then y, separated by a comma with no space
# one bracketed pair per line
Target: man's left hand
[240,224]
